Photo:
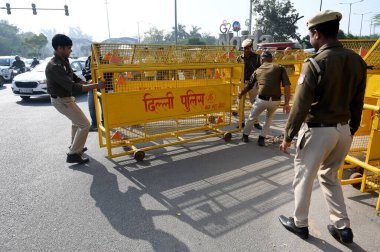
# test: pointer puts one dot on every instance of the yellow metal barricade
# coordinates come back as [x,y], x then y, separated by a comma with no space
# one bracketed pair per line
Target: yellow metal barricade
[158,96]
[361,47]
[364,155]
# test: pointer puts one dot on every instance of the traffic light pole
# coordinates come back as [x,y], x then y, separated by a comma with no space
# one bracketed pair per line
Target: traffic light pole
[34,9]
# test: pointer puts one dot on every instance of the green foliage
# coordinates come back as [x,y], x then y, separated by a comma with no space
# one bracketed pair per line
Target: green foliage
[276,18]
[9,40]
[155,36]
[196,41]
[34,44]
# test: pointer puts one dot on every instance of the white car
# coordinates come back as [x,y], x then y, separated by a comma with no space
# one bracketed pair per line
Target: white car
[33,83]
[5,71]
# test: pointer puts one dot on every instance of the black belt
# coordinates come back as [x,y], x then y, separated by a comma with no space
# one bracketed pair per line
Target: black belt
[321,125]
[267,98]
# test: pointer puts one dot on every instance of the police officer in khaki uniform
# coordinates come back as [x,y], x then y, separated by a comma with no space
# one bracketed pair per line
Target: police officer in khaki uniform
[327,107]
[62,85]
[251,63]
[269,77]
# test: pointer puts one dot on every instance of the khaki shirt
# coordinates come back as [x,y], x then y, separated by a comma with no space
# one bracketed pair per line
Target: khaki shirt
[337,98]
[269,77]
[60,78]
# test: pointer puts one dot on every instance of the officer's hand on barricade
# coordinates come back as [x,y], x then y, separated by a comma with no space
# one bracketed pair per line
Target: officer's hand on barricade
[284,146]
[101,84]
[286,109]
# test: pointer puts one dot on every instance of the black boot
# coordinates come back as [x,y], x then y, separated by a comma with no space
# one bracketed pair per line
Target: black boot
[261,141]
[245,138]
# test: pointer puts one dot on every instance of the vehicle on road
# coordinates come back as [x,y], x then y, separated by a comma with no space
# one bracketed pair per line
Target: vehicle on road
[33,83]
[6,74]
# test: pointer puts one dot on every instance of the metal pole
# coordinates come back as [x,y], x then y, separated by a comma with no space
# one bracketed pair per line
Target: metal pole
[349,19]
[361,24]
[250,17]
[175,20]
[320,7]
[138,31]
[108,22]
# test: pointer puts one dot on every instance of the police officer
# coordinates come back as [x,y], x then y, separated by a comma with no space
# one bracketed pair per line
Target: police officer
[251,63]
[327,107]
[62,85]
[269,77]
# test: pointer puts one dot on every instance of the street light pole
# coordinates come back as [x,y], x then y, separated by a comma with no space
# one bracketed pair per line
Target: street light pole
[349,17]
[175,20]
[320,6]
[361,22]
[108,22]
[250,17]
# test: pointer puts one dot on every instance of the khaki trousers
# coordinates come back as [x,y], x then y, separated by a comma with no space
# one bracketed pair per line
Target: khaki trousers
[320,152]
[257,108]
[80,123]
[252,97]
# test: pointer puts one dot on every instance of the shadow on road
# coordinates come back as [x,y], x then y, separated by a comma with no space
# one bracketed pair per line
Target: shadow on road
[213,188]
[125,211]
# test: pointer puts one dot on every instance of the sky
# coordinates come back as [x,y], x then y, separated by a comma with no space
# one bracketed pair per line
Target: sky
[131,18]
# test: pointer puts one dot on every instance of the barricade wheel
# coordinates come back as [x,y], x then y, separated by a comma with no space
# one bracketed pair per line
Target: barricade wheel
[139,155]
[227,136]
[354,176]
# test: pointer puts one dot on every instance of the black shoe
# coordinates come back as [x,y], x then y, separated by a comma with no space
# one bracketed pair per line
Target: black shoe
[288,223]
[261,141]
[343,235]
[93,128]
[242,125]
[245,138]
[76,158]
[258,126]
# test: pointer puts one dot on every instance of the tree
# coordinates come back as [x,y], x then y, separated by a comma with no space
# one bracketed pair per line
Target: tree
[181,32]
[34,44]
[194,32]
[209,40]
[196,41]
[276,18]
[154,36]
[9,39]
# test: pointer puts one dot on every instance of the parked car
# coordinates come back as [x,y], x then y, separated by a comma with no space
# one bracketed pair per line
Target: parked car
[33,83]
[5,71]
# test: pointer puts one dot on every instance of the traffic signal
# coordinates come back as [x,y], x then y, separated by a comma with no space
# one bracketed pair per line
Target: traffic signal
[66,10]
[34,9]
[8,8]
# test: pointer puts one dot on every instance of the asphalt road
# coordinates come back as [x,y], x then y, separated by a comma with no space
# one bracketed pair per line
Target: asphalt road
[201,196]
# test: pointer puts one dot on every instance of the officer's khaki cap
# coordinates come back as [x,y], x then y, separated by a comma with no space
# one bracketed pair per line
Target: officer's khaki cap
[246,42]
[323,17]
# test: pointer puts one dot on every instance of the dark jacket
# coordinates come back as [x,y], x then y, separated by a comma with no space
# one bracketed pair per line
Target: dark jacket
[60,78]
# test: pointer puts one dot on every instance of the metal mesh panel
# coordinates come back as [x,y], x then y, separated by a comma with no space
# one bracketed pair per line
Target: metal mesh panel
[170,127]
[153,79]
[373,59]
[126,54]
[359,46]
